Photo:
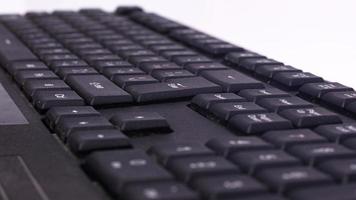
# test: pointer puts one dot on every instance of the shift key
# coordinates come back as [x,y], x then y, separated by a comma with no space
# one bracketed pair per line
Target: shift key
[98,90]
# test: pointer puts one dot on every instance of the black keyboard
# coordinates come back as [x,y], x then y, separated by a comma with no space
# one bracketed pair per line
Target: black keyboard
[153,109]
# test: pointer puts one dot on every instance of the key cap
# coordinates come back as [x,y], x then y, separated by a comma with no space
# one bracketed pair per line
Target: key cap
[351,107]
[15,67]
[102,65]
[268,71]
[126,80]
[287,138]
[337,132]
[310,117]
[198,68]
[67,63]
[112,72]
[164,75]
[68,125]
[251,64]
[131,53]
[161,190]
[258,123]
[25,75]
[153,67]
[89,140]
[332,192]
[317,90]
[339,99]
[116,169]
[189,168]
[350,143]
[43,100]
[228,186]
[185,60]
[228,146]
[231,80]
[175,88]
[64,73]
[55,114]
[98,90]
[134,121]
[225,111]
[237,57]
[315,153]
[252,161]
[285,179]
[32,86]
[205,101]
[173,53]
[343,170]
[220,49]
[293,80]
[164,153]
[257,94]
[283,103]
[139,60]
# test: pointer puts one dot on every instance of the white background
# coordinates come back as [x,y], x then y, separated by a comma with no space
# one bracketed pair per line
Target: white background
[318,36]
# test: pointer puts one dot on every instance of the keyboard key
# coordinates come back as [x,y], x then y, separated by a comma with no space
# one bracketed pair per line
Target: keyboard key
[43,100]
[317,90]
[139,60]
[117,169]
[268,71]
[205,101]
[190,168]
[231,80]
[173,53]
[237,57]
[220,49]
[337,132]
[25,75]
[351,107]
[343,170]
[15,67]
[164,153]
[164,75]
[126,80]
[185,60]
[339,99]
[56,65]
[228,186]
[283,103]
[350,143]
[310,117]
[32,86]
[98,90]
[88,140]
[257,94]
[290,178]
[316,153]
[112,72]
[161,190]
[134,121]
[332,192]
[175,88]
[102,65]
[251,64]
[225,111]
[154,67]
[287,138]
[198,68]
[257,123]
[228,146]
[293,80]
[252,161]
[64,73]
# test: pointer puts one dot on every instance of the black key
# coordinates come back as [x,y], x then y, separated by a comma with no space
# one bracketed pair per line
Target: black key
[220,48]
[102,65]
[252,161]
[190,168]
[332,192]
[287,138]
[117,168]
[43,52]
[337,132]
[310,117]
[59,57]
[317,90]
[264,197]
[175,88]
[56,65]
[64,73]
[162,190]
[185,60]
[68,125]
[257,94]
[283,103]
[228,186]
[228,146]
[11,49]
[134,121]
[55,114]
[350,143]
[231,80]
[251,64]
[339,99]
[268,71]
[290,178]
[164,75]
[343,170]
[316,153]
[166,47]
[89,140]
[173,53]
[32,86]
[139,60]
[257,123]
[95,58]
[153,67]
[98,90]
[225,111]
[15,67]
[164,153]
[131,53]
[293,80]
[112,72]
[126,80]
[198,68]
[237,57]
[351,107]
[25,75]
[44,100]
[205,101]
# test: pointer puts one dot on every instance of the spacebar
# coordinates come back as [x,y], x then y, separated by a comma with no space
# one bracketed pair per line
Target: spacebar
[12,49]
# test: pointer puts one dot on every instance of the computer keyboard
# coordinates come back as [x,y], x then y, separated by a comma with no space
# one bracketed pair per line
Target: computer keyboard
[153,109]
